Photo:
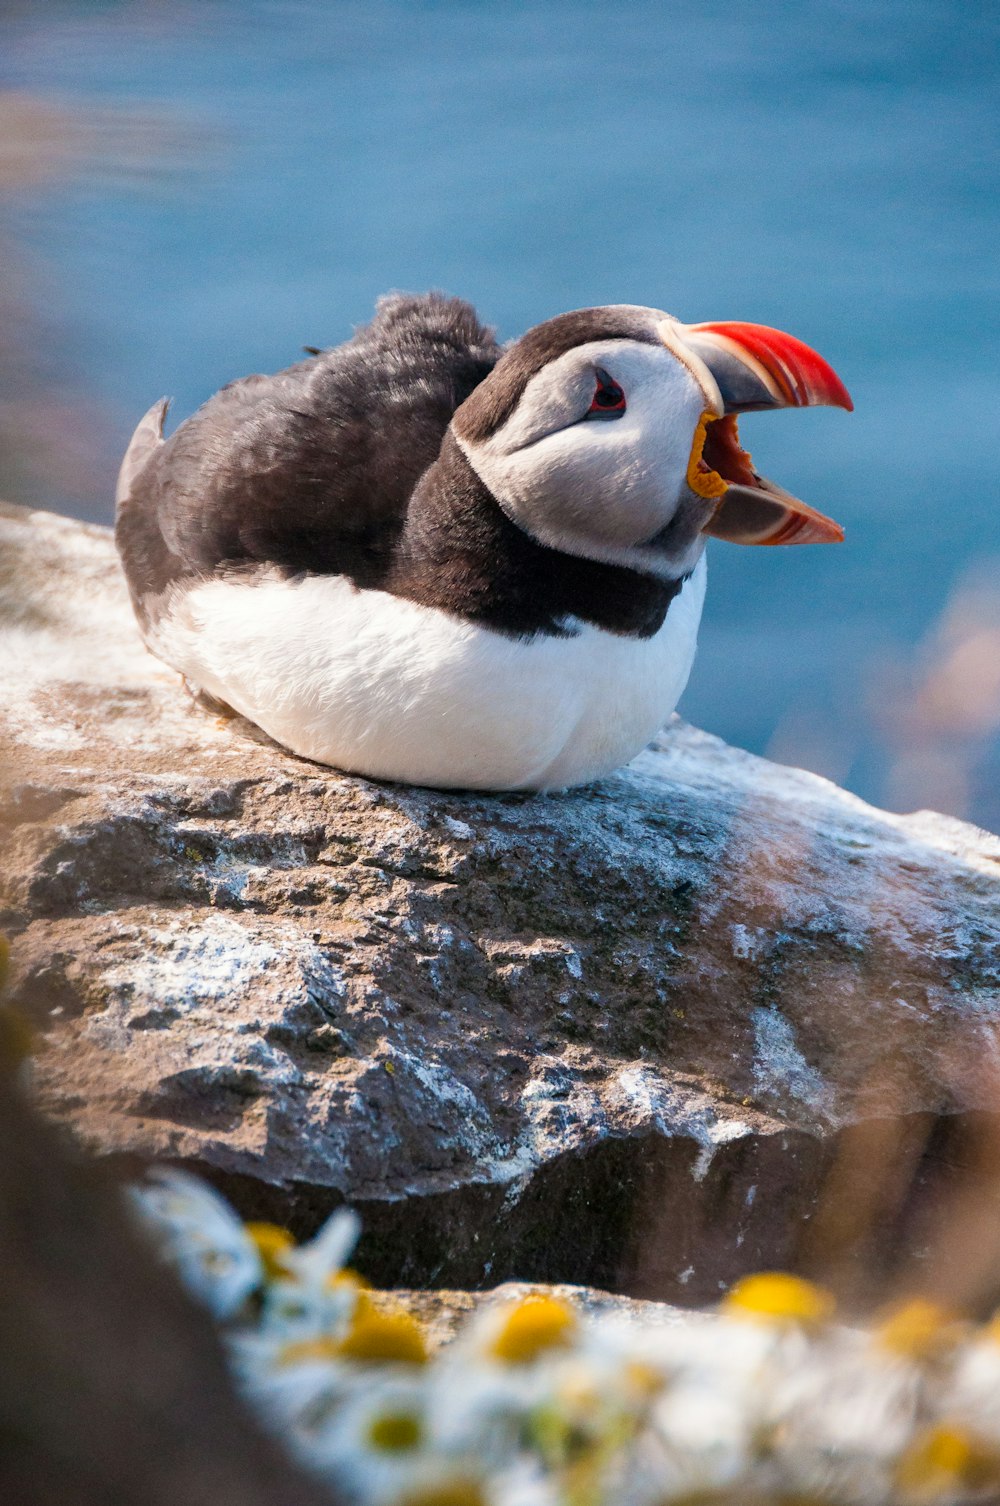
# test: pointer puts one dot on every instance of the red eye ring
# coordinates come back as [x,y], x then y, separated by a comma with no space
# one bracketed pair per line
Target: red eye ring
[609,399]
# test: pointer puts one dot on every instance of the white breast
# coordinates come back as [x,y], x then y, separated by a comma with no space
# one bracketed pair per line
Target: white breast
[376,685]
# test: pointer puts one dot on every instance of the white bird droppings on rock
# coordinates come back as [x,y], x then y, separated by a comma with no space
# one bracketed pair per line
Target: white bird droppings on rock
[780,1068]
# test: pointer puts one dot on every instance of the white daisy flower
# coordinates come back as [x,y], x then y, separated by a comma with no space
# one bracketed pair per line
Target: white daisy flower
[839,1420]
[706,1437]
[533,1406]
[523,1483]
[311,1295]
[300,1401]
[323,1257]
[972,1394]
[375,1444]
[200,1235]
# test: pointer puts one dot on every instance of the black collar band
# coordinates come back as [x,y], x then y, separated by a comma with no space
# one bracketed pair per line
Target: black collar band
[461,553]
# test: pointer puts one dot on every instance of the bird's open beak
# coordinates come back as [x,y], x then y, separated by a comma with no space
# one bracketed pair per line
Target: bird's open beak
[742,368]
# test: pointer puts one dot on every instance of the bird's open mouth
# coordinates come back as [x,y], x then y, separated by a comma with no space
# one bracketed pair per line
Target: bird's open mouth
[717,457]
[742,367]
[751,509]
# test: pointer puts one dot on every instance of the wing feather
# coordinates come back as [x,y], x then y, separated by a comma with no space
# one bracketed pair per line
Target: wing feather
[310,469]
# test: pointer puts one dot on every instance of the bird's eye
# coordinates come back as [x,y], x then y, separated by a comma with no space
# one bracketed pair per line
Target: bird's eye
[608,400]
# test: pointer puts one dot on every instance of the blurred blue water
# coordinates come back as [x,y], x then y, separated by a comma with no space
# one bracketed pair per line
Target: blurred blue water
[828,168]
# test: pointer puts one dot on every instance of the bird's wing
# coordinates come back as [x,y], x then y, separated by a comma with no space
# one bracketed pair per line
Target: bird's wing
[310,469]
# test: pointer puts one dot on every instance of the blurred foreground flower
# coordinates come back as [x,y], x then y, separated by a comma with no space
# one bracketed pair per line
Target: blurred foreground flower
[768,1400]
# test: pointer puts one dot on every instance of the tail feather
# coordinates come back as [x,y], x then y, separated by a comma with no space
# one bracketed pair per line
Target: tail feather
[147,438]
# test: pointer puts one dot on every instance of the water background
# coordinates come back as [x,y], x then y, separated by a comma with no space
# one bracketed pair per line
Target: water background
[827,168]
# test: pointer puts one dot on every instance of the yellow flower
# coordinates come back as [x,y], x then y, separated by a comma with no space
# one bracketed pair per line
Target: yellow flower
[272,1243]
[943,1460]
[382,1338]
[532,1326]
[774,1297]
[643,1380]
[347,1277]
[394,1432]
[919,1329]
[452,1493]
[302,1350]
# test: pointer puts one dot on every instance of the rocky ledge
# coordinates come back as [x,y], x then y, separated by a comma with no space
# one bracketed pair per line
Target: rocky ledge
[624,1036]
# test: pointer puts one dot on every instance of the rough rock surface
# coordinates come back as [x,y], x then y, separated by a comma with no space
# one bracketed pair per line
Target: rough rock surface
[443,1314]
[612,1036]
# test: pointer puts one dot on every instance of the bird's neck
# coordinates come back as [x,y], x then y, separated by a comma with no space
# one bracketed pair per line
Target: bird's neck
[460,552]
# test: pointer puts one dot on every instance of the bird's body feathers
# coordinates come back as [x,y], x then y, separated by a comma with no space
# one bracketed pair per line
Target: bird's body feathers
[419,557]
[376,684]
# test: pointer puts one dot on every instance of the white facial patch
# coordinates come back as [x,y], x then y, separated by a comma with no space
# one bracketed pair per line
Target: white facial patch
[597,487]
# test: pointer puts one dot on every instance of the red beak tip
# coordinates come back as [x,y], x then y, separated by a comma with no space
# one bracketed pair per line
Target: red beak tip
[799,373]
[838,395]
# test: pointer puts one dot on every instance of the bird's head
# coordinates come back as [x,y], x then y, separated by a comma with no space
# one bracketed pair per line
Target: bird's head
[611,433]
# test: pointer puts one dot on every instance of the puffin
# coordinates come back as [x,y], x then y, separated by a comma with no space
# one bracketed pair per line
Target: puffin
[421,556]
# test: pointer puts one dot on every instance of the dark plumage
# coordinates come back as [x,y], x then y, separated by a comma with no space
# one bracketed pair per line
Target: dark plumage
[311,469]
[494,404]
[419,557]
[336,466]
[460,552]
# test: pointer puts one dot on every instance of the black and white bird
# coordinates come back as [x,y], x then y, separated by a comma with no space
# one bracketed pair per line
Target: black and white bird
[422,557]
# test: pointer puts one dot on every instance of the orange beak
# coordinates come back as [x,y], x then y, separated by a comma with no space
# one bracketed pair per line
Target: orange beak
[742,368]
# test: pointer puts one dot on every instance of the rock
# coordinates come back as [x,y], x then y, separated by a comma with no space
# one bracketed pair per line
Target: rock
[443,1314]
[616,1036]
